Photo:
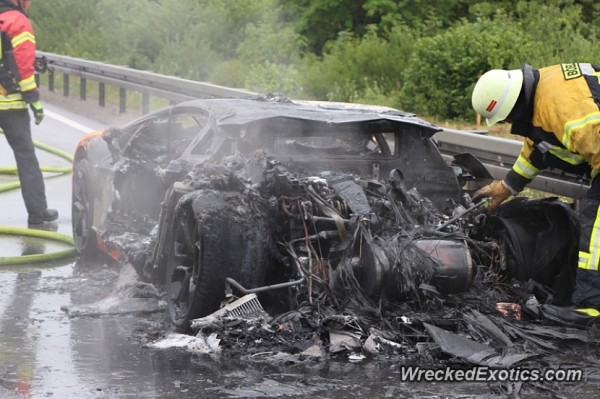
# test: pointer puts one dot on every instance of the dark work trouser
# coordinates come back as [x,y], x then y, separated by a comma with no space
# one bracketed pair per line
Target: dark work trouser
[17,129]
[587,284]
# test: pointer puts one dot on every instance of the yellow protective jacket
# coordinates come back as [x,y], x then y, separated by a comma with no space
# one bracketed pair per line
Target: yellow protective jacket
[15,23]
[560,122]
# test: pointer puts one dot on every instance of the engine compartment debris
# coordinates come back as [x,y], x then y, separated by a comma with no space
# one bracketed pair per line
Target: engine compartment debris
[434,300]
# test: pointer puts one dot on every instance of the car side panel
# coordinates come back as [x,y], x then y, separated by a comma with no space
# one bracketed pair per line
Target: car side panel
[93,148]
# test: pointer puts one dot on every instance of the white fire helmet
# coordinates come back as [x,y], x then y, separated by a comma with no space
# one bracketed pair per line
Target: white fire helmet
[496,93]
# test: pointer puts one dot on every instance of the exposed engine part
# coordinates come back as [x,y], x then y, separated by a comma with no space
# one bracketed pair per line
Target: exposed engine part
[462,214]
[455,272]
[346,220]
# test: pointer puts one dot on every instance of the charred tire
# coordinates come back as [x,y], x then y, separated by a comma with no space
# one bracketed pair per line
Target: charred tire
[208,245]
[539,240]
[82,210]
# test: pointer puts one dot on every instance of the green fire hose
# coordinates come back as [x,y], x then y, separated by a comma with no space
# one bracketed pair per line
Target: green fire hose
[49,235]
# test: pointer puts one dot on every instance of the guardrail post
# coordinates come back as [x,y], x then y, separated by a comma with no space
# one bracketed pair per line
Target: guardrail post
[51,81]
[66,84]
[101,94]
[145,103]
[82,88]
[122,100]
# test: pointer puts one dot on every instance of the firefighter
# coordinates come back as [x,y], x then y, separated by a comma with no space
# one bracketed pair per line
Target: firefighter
[18,92]
[557,110]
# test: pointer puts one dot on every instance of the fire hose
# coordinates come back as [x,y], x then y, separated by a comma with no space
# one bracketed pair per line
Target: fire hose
[44,234]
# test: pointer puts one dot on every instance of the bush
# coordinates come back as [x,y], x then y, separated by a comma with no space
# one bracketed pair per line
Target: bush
[444,68]
[358,68]
[567,39]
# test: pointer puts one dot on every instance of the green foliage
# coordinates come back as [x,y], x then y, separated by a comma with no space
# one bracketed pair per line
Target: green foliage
[266,56]
[66,26]
[566,39]
[422,15]
[270,42]
[268,77]
[419,55]
[358,68]
[444,68]
[322,21]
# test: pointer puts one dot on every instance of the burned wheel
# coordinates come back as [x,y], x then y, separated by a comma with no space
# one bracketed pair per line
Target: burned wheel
[82,210]
[195,276]
[214,235]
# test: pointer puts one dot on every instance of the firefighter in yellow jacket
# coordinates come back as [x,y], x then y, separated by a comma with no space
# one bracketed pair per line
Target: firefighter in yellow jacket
[18,93]
[557,110]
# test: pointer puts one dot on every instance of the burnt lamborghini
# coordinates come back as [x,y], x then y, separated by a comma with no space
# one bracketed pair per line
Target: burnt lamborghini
[304,202]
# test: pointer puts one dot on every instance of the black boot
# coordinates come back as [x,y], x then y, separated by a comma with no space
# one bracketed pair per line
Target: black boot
[47,215]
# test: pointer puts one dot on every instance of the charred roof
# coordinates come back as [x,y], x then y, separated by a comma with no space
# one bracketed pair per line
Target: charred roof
[235,111]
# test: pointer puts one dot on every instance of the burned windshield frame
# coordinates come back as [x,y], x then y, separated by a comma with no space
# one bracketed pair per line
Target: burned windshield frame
[343,140]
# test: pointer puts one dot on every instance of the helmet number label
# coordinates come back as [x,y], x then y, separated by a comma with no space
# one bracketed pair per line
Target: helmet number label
[570,71]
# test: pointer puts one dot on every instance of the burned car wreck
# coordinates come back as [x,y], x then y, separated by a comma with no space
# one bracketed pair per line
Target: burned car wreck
[337,218]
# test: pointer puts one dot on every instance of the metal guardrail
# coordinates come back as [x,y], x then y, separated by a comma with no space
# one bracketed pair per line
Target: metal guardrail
[497,154]
[147,83]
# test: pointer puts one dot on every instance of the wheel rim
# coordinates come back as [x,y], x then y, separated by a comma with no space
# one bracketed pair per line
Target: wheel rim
[80,210]
[184,268]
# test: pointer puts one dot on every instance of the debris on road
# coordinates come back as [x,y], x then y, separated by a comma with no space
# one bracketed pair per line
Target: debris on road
[129,295]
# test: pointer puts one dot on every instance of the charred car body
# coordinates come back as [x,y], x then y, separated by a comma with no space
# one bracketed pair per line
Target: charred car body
[297,201]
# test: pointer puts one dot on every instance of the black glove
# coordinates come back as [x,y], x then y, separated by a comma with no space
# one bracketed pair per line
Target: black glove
[38,111]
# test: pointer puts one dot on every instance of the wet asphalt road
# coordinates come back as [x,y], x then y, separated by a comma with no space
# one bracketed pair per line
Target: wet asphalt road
[44,353]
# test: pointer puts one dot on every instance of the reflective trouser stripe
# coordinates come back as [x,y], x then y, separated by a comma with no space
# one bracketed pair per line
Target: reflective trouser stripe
[589,260]
[584,258]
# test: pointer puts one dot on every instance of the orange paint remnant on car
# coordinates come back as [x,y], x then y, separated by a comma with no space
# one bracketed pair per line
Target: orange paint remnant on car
[111,251]
[86,139]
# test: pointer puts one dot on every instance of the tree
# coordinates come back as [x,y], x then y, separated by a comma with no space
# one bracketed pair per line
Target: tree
[320,21]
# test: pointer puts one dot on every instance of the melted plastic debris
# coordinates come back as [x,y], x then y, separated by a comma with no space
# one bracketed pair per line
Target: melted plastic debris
[128,296]
[246,308]
[198,344]
[343,341]
[472,351]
